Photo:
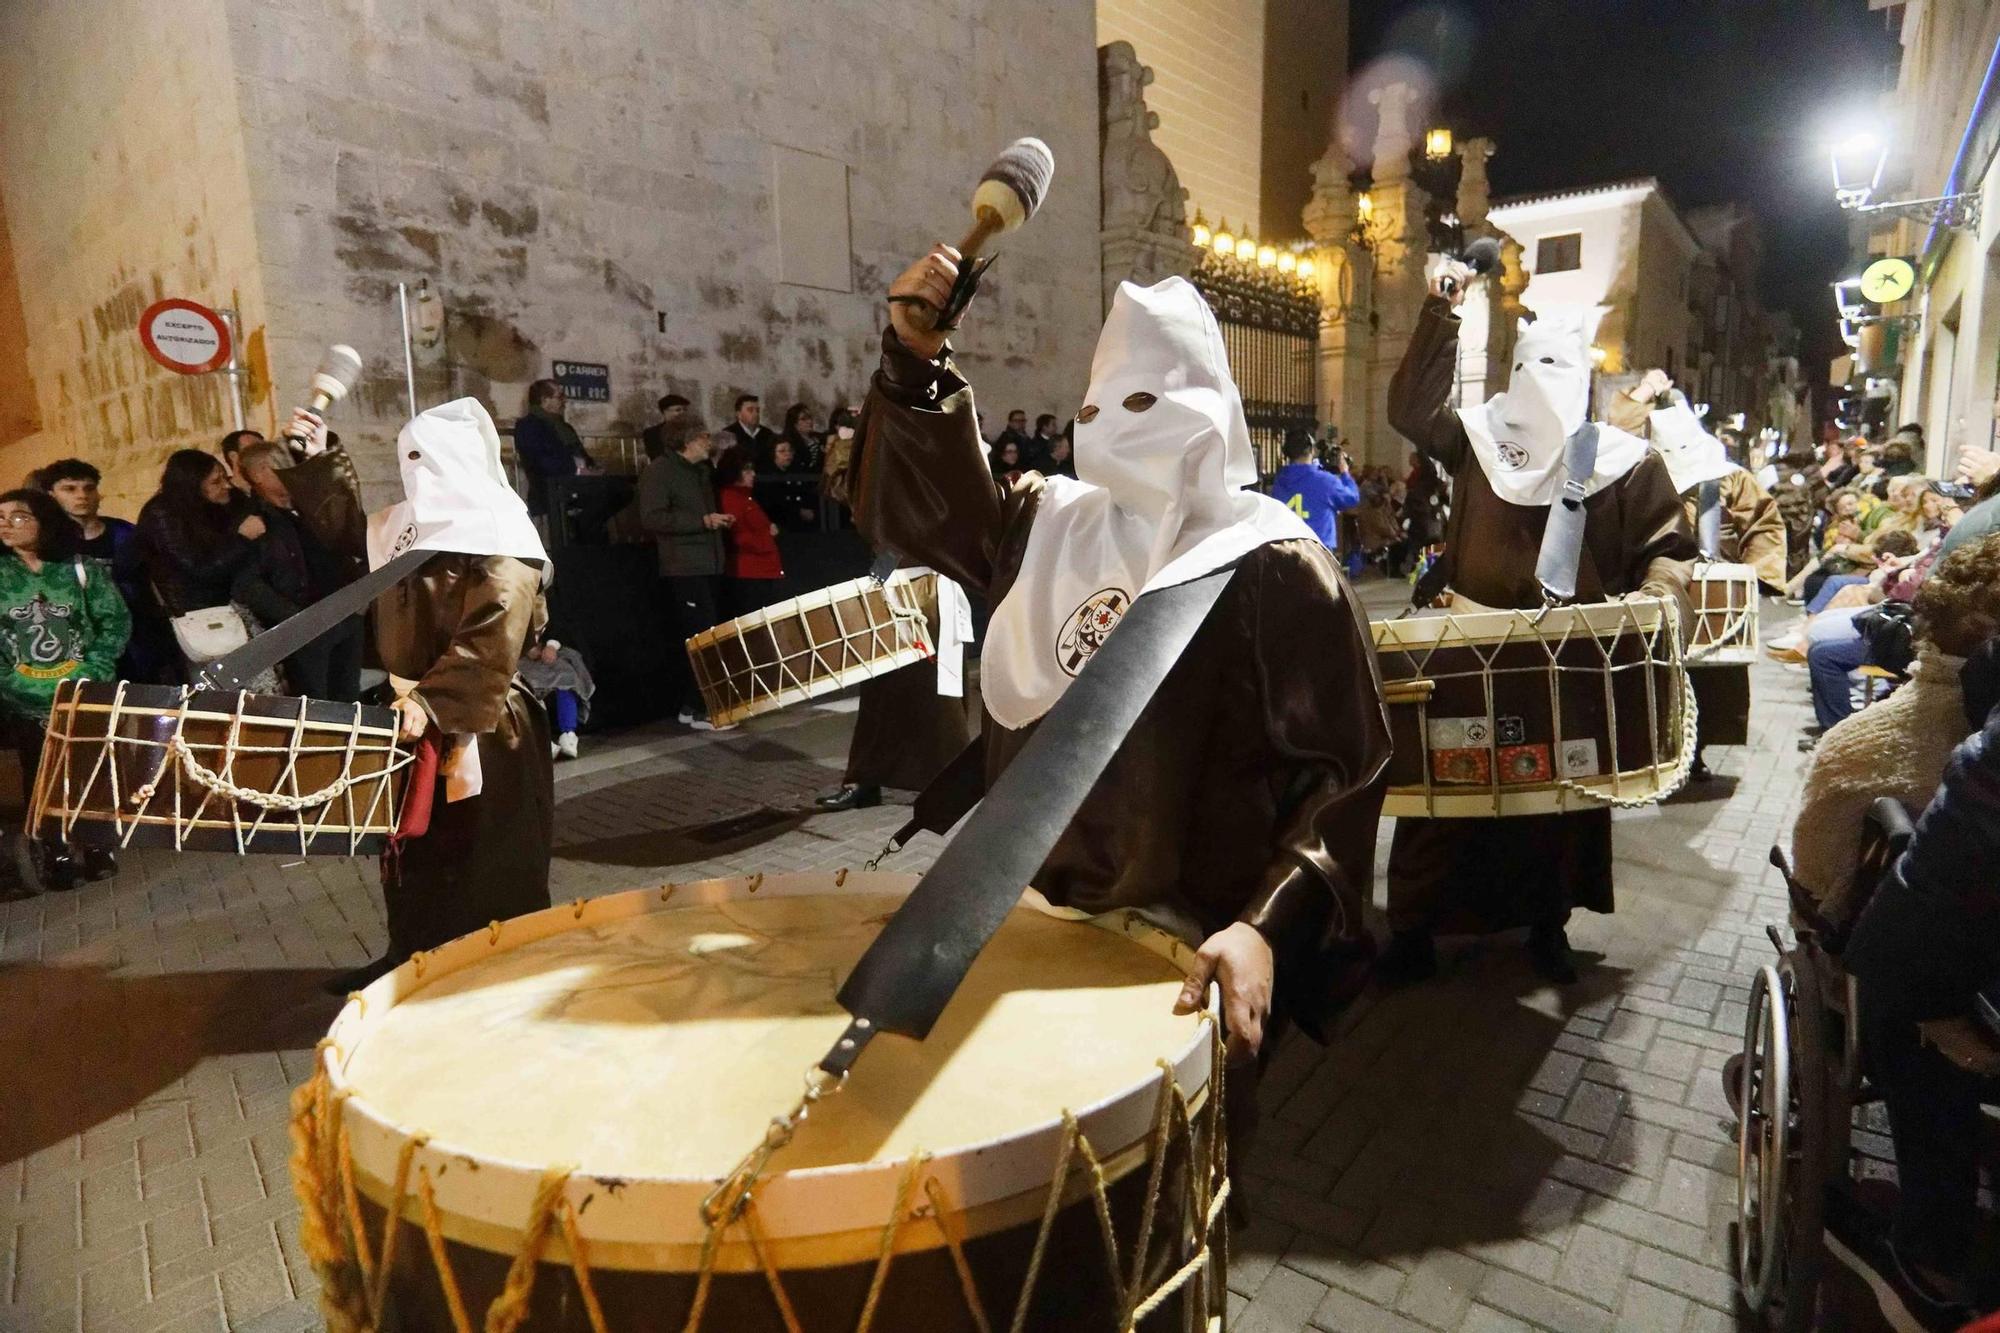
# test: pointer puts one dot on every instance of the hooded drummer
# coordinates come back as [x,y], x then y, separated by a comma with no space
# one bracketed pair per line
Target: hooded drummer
[449,636]
[1240,811]
[1505,459]
[1735,520]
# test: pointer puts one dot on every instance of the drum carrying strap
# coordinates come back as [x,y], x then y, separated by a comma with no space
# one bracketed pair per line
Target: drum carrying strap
[274,645]
[1708,519]
[1562,539]
[911,971]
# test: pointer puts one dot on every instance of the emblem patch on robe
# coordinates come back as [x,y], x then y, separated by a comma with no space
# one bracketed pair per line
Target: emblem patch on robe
[1512,456]
[1089,626]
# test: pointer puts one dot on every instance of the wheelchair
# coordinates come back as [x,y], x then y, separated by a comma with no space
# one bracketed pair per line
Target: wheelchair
[1795,1088]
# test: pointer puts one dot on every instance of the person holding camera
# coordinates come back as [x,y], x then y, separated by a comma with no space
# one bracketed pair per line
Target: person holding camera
[1317,494]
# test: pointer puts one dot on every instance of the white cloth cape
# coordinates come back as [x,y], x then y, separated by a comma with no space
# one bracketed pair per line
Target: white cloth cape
[1691,454]
[1518,435]
[1158,498]
[455,498]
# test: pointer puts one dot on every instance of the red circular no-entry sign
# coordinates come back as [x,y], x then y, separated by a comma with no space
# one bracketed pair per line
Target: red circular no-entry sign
[185,337]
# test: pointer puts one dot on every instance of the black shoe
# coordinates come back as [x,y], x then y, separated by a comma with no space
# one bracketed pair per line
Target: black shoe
[1548,950]
[46,867]
[1411,957]
[346,983]
[97,863]
[851,797]
[1699,771]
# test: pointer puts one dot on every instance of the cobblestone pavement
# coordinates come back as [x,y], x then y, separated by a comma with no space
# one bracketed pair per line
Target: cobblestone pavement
[1481,1153]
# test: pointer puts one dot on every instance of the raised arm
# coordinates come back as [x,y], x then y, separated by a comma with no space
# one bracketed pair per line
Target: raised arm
[919,479]
[1420,390]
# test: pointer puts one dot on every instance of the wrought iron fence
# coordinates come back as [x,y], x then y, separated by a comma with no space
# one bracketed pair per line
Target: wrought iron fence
[1270,326]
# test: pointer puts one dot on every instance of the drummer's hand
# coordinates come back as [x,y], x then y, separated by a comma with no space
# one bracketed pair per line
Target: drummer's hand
[411,719]
[1237,958]
[1976,466]
[1461,276]
[308,426]
[1654,383]
[930,278]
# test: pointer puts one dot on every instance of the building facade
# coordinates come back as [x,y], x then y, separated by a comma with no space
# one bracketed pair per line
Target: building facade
[1936,353]
[709,204]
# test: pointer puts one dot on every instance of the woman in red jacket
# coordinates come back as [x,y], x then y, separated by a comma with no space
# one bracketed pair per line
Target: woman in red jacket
[753,576]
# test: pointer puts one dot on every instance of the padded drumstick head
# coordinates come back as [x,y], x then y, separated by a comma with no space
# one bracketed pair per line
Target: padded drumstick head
[1014,186]
[1483,255]
[338,370]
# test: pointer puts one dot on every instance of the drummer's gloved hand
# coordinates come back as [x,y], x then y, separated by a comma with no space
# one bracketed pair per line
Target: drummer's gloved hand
[1237,958]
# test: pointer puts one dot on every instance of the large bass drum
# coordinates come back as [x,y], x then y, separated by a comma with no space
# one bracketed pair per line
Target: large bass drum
[1496,712]
[529,1120]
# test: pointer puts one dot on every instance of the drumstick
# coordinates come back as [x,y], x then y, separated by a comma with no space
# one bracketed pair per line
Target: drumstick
[1007,195]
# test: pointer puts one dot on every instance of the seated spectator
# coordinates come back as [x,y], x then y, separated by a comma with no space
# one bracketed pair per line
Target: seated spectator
[60,617]
[559,678]
[73,483]
[1897,747]
[291,572]
[753,575]
[801,433]
[1902,510]
[1895,544]
[1928,941]
[1314,493]
[1062,454]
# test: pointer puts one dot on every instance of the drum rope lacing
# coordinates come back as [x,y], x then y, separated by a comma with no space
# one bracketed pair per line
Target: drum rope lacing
[354,1284]
[1690,735]
[1739,618]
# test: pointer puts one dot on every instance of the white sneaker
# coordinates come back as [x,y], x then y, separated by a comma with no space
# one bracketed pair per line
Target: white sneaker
[566,745]
[555,751]
[686,717]
[697,722]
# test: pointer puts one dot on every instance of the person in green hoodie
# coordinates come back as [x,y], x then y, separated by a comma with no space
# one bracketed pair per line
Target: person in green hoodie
[61,617]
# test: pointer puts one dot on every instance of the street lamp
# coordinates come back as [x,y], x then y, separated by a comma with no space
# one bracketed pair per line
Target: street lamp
[1246,249]
[1858,159]
[1200,234]
[1437,143]
[1225,244]
[1267,256]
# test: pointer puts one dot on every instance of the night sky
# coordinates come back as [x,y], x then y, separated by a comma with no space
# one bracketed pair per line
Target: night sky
[1721,99]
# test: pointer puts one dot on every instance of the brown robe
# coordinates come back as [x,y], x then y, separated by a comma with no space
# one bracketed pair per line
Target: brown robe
[457,627]
[905,732]
[1250,787]
[1476,875]
[1753,534]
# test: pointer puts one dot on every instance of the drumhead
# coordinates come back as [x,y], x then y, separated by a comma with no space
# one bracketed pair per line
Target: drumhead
[1592,619]
[647,1038]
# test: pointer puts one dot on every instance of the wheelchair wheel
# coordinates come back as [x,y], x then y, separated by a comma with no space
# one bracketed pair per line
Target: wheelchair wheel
[1782,1166]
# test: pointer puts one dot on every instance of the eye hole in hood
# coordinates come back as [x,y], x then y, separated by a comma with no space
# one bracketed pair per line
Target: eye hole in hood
[1138,402]
[1088,414]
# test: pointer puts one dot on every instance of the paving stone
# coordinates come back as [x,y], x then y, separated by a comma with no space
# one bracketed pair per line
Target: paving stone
[1441,1288]
[1334,1266]
[1486,1319]
[1697,1281]
[1543,1306]
[1594,1265]
[1285,1303]
[1343,1312]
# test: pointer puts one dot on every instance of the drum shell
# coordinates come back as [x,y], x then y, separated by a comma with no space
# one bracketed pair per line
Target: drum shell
[74,792]
[811,646]
[1506,681]
[1723,599]
[922,1290]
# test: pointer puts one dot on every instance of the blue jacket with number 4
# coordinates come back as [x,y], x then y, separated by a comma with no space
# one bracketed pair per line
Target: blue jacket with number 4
[1317,496]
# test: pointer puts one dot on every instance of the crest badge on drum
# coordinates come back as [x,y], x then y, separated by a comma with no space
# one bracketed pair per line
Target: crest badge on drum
[1089,627]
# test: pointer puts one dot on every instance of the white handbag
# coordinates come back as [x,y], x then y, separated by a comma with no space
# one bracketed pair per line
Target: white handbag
[210,633]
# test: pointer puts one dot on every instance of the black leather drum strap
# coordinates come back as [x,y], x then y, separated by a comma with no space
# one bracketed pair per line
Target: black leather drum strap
[1708,519]
[915,965]
[280,641]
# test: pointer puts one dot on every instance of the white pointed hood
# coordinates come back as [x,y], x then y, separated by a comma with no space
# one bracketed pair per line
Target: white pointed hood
[1159,498]
[1518,435]
[1691,454]
[455,492]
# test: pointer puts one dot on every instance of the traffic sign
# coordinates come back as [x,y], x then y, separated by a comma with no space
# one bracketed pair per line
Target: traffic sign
[185,337]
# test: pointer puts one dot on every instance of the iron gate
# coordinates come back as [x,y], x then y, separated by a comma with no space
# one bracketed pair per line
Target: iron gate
[1270,326]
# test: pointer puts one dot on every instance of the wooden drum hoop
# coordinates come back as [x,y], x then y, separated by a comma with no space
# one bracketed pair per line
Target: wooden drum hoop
[1407,651]
[553,1216]
[811,646]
